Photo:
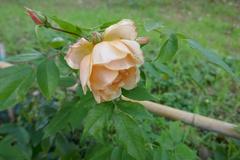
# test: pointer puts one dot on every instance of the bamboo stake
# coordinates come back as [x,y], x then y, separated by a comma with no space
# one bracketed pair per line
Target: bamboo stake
[196,120]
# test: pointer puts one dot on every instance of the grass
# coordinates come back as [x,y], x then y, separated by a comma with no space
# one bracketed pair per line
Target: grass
[215,24]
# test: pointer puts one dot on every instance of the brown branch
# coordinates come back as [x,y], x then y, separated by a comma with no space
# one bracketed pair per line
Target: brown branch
[196,120]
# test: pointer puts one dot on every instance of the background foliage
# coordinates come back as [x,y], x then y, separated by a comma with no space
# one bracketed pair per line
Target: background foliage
[72,126]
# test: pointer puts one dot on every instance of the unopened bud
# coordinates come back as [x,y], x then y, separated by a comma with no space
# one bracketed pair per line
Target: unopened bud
[36,17]
[142,40]
[96,37]
[4,64]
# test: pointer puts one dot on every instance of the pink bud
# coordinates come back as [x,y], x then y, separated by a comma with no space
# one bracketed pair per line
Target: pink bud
[34,16]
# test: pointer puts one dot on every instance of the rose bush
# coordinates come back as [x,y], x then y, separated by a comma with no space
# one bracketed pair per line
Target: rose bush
[109,65]
[62,123]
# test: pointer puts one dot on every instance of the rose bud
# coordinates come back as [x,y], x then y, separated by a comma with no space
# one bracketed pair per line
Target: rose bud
[109,65]
[142,40]
[37,19]
[4,64]
[96,37]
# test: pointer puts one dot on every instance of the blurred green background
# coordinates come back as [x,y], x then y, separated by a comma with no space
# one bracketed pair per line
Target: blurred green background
[215,23]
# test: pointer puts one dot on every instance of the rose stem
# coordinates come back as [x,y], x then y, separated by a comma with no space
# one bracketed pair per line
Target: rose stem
[61,30]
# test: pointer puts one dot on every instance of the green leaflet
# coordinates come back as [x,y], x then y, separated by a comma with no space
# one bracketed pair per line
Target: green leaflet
[211,57]
[138,93]
[172,145]
[160,153]
[182,151]
[15,131]
[163,68]
[168,49]
[60,120]
[119,153]
[130,135]
[137,111]
[100,152]
[151,69]
[47,77]
[9,151]
[96,120]
[65,149]
[67,81]
[72,113]
[66,25]
[25,57]
[15,82]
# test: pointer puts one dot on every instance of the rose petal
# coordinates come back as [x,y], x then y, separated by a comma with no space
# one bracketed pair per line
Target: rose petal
[85,71]
[104,52]
[77,51]
[121,64]
[134,47]
[101,77]
[118,44]
[130,78]
[125,29]
[109,93]
[96,96]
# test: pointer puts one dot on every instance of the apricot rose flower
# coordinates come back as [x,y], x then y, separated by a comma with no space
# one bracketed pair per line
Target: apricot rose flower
[109,65]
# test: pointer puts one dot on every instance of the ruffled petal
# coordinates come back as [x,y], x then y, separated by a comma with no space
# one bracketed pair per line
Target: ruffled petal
[130,78]
[77,51]
[101,77]
[125,29]
[85,71]
[134,47]
[105,52]
[119,45]
[126,79]
[109,93]
[96,96]
[112,92]
[121,64]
